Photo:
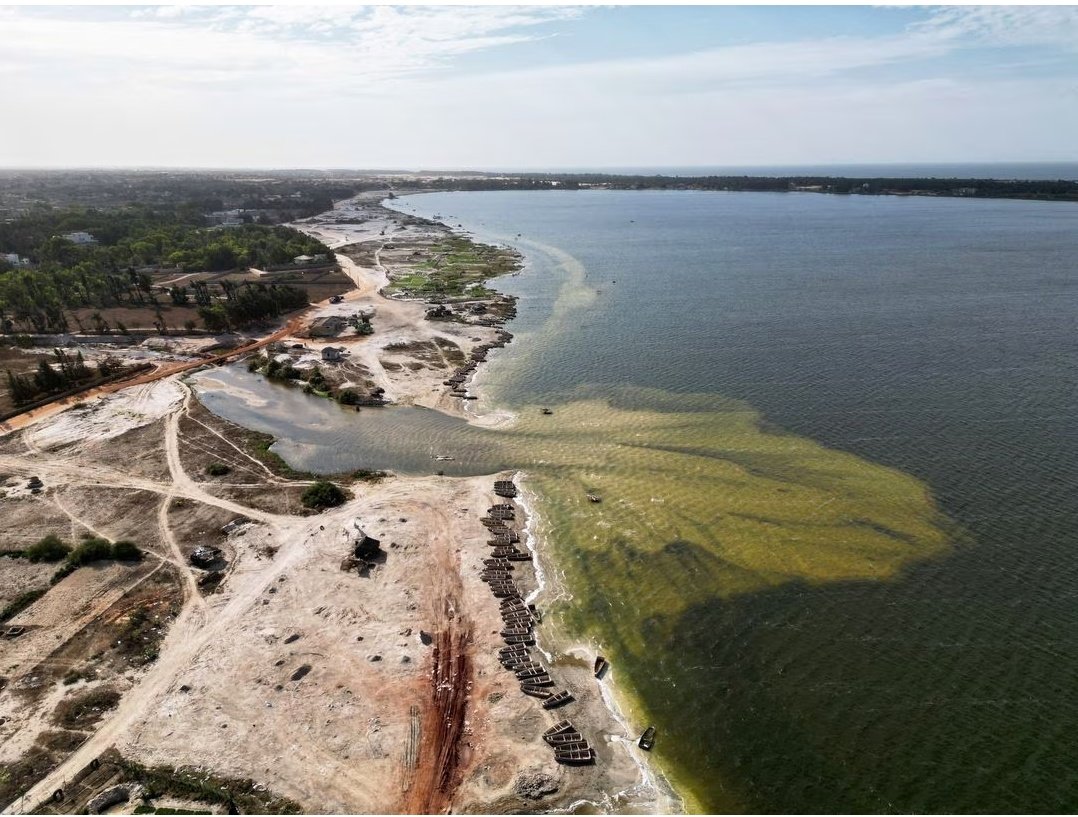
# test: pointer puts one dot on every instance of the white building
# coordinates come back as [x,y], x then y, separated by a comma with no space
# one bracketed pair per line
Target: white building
[16,260]
[79,237]
[227,218]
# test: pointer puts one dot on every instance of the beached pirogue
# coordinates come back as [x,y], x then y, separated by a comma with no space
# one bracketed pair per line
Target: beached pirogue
[518,631]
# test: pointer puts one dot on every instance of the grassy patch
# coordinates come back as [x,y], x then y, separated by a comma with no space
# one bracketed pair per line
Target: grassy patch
[367,475]
[245,796]
[85,709]
[19,775]
[453,268]
[21,602]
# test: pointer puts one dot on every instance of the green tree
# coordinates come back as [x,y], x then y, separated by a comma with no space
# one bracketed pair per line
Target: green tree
[48,549]
[323,494]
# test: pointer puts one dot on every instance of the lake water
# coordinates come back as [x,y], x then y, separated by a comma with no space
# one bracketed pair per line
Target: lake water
[835,564]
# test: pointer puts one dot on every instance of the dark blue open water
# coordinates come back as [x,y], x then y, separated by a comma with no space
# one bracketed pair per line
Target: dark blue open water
[936,336]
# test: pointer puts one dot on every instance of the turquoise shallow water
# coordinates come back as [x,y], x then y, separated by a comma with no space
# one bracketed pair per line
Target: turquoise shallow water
[934,336]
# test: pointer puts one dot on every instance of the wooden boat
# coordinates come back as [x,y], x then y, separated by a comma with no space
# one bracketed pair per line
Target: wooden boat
[566,739]
[537,681]
[560,726]
[526,640]
[519,556]
[529,667]
[647,740]
[547,411]
[558,699]
[530,672]
[601,666]
[594,498]
[535,691]
[572,746]
[576,757]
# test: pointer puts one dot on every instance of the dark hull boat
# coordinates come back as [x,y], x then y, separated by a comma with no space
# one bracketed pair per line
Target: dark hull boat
[601,666]
[566,740]
[647,740]
[560,726]
[559,699]
[575,757]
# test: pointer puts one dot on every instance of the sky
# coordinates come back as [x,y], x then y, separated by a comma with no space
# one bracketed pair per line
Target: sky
[524,87]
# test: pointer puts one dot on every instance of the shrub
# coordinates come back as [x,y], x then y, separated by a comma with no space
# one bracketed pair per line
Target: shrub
[48,549]
[125,551]
[348,398]
[92,550]
[323,494]
[368,475]
[217,469]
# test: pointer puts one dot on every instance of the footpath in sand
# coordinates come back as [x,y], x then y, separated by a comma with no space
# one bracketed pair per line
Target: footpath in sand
[344,692]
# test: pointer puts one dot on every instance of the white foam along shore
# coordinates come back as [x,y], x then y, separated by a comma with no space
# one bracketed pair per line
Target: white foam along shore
[653,786]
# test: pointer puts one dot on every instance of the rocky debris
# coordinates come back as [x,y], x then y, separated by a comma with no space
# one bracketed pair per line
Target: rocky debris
[117,794]
[534,785]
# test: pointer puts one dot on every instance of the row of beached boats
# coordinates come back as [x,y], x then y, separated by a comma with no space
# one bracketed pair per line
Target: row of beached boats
[518,632]
[456,380]
[519,619]
[570,747]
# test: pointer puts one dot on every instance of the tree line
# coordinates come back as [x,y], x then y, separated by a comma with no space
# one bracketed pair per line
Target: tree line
[67,276]
[1057,190]
[69,372]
